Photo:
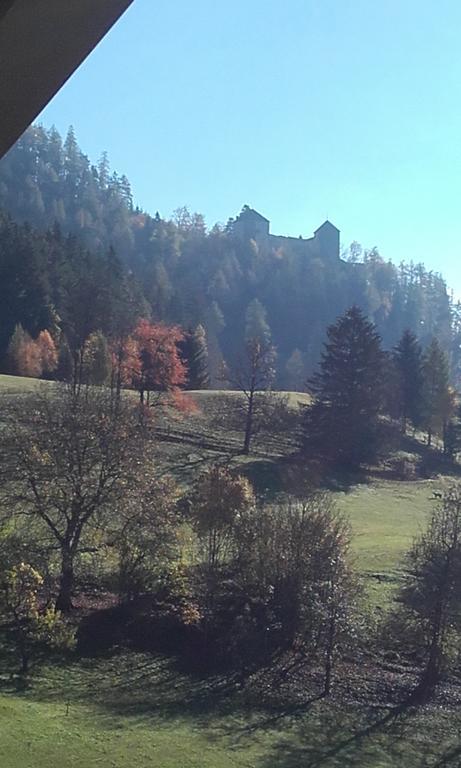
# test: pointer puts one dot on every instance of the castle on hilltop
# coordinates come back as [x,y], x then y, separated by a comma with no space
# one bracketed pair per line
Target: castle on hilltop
[250,225]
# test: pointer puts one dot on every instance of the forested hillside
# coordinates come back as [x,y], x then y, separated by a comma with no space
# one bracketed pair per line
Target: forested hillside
[122,264]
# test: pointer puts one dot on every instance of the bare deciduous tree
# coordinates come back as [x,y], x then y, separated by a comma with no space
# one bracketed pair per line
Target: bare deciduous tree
[70,457]
[432,595]
[253,375]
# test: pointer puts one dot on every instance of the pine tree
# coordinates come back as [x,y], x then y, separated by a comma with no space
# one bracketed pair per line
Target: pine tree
[452,434]
[407,358]
[65,367]
[342,424]
[97,359]
[437,400]
[194,351]
[18,338]
[256,325]
[214,326]
[295,371]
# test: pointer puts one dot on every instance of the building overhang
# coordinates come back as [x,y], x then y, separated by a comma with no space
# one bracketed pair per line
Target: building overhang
[42,42]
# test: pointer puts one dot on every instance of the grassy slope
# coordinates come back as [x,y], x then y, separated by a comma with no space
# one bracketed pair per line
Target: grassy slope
[138,711]
[12,384]
[385,517]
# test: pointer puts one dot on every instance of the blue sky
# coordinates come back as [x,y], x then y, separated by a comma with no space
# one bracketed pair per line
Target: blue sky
[303,109]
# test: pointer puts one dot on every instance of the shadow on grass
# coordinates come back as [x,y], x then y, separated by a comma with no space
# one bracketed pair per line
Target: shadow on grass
[339,738]
[450,758]
[125,689]
[432,461]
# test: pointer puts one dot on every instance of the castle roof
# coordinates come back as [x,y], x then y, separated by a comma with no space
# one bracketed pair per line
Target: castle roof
[328,225]
[247,211]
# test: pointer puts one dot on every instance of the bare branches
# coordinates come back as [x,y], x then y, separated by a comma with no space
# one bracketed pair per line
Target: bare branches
[73,454]
[253,373]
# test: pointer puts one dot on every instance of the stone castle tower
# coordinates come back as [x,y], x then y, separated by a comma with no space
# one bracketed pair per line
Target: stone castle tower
[251,225]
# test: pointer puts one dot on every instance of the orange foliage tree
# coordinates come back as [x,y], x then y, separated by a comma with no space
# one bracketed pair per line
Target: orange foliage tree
[28,360]
[149,361]
[29,357]
[48,352]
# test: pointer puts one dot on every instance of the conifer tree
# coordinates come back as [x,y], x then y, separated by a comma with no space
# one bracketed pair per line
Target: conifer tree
[214,326]
[342,424]
[408,362]
[452,434]
[256,325]
[436,390]
[194,351]
[65,367]
[18,338]
[295,371]
[97,359]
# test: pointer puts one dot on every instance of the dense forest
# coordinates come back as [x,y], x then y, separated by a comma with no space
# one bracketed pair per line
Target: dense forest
[80,257]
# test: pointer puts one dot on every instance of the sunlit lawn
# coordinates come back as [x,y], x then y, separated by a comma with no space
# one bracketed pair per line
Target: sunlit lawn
[17,384]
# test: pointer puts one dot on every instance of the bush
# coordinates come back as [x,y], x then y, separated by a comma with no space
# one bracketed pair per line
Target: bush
[404,466]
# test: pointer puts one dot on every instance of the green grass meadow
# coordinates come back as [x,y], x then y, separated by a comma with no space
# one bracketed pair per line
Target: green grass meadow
[136,710]
[17,384]
[140,711]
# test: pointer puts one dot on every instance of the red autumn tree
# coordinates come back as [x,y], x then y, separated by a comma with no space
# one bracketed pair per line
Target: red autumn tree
[149,360]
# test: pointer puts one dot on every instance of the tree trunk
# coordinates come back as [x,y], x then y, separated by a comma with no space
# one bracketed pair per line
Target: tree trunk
[248,425]
[432,672]
[23,651]
[329,654]
[404,424]
[24,661]
[445,438]
[66,586]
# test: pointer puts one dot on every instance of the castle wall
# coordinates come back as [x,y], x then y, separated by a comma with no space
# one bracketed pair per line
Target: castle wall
[301,246]
[325,243]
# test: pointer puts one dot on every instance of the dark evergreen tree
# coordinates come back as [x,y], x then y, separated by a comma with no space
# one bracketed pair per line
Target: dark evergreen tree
[438,402]
[194,352]
[65,369]
[342,424]
[407,359]
[452,434]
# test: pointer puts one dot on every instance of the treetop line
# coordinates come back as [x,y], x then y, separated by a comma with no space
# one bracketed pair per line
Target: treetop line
[75,251]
